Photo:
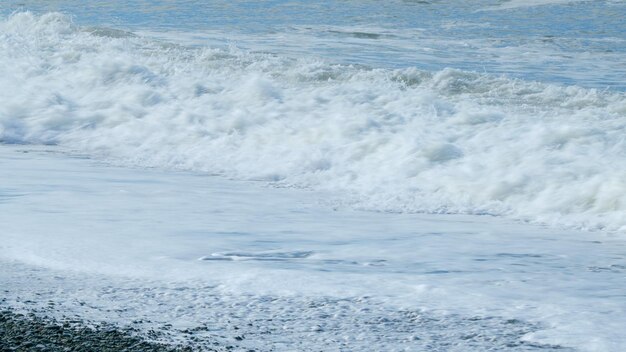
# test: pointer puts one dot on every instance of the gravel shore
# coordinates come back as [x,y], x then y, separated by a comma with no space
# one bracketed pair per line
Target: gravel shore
[19,332]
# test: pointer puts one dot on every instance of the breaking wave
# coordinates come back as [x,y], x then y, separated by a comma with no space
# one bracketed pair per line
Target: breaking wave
[391,140]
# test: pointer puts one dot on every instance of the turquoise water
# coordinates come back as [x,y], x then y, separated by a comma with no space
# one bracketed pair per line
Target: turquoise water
[569,42]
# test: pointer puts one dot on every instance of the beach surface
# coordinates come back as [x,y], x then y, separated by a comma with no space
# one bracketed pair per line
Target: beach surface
[19,332]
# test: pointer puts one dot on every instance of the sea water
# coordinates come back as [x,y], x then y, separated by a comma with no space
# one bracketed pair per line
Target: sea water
[174,251]
[511,110]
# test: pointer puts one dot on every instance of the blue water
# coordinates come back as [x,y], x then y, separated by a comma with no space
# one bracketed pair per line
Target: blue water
[354,102]
[574,43]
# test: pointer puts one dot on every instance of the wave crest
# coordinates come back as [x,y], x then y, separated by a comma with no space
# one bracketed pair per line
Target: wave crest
[393,140]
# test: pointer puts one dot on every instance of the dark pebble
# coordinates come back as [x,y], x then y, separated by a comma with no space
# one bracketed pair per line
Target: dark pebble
[31,333]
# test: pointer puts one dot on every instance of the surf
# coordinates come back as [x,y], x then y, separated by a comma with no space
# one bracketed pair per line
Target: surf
[399,140]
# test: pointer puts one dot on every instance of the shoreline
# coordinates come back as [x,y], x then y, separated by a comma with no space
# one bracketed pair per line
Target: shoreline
[33,332]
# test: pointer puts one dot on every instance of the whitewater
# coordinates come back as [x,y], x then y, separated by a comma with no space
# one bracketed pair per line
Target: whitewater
[326,185]
[448,141]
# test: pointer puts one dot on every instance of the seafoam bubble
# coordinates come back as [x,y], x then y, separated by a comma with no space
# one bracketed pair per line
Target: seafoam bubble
[442,152]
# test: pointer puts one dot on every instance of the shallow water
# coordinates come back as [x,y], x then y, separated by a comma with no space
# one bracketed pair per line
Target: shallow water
[186,249]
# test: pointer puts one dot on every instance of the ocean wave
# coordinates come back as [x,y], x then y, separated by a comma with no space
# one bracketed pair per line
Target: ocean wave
[381,139]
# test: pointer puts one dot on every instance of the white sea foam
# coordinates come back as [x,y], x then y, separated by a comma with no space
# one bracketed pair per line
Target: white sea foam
[397,140]
[513,4]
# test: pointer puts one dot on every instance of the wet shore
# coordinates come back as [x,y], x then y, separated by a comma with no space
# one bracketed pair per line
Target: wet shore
[30,332]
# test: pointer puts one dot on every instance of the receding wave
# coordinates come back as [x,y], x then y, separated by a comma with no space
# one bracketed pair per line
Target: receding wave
[391,140]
